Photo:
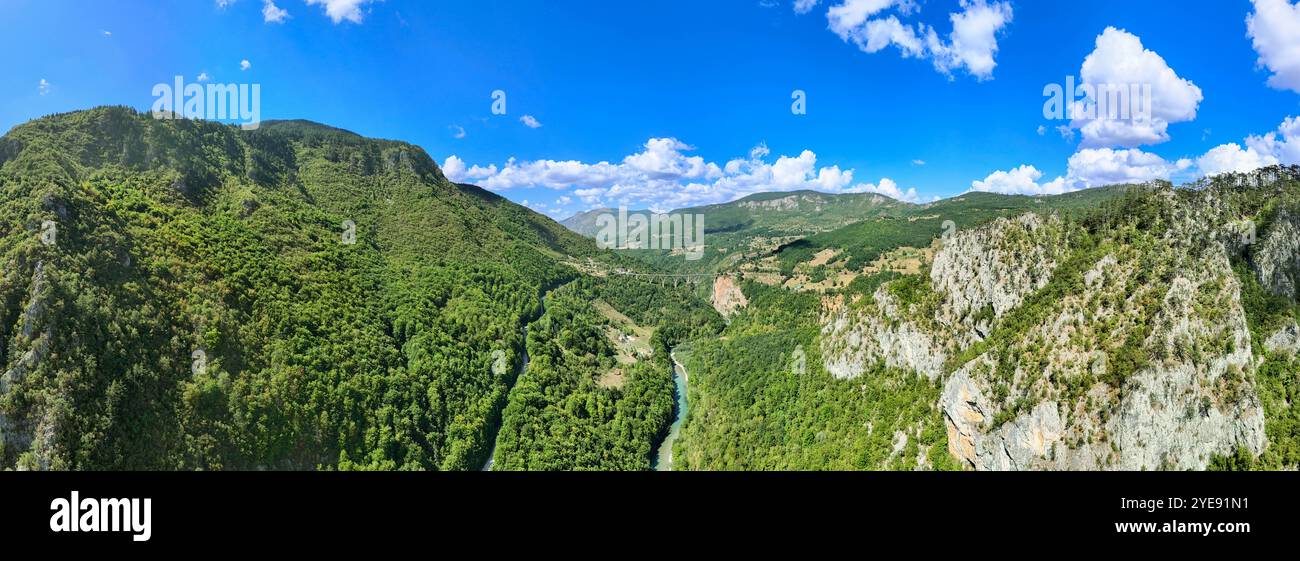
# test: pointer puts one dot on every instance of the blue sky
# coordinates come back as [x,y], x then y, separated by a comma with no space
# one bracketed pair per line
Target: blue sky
[671,103]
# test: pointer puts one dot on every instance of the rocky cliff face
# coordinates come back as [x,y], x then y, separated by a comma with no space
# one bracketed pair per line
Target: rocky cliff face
[30,349]
[983,275]
[1063,348]
[976,278]
[1285,340]
[1277,259]
[727,296]
[1196,401]
[791,202]
[855,338]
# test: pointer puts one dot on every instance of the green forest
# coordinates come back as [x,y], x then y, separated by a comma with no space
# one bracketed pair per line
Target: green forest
[560,417]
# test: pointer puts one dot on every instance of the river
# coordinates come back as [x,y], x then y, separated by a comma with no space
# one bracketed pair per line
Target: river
[522,367]
[664,459]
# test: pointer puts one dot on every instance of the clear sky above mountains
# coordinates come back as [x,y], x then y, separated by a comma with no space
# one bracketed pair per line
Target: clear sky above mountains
[675,103]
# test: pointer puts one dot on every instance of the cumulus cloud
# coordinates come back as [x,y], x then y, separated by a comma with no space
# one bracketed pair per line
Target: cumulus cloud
[274,14]
[1279,147]
[530,122]
[245,65]
[43,87]
[1121,61]
[1274,30]
[1098,167]
[664,176]
[1284,144]
[339,10]
[888,188]
[972,45]
[1231,157]
[1019,181]
[1089,167]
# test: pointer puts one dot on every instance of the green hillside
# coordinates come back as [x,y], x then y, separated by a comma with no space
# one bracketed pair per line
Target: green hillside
[295,297]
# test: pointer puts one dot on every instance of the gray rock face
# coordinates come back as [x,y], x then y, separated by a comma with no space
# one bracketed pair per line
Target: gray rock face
[995,267]
[15,435]
[784,203]
[1167,422]
[853,341]
[1285,341]
[1031,441]
[1277,257]
[1174,414]
[33,319]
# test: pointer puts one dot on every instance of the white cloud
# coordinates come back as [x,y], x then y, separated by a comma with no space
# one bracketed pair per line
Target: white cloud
[1120,60]
[847,16]
[454,168]
[1089,167]
[44,86]
[805,6]
[1285,144]
[222,4]
[245,65]
[457,131]
[918,162]
[888,188]
[203,77]
[107,33]
[1098,167]
[1232,158]
[1279,147]
[1019,181]
[1042,130]
[274,14]
[664,176]
[972,45]
[663,159]
[339,10]
[590,196]
[1274,30]
[530,122]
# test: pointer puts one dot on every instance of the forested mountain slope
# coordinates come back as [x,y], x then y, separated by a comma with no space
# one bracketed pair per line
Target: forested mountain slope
[186,295]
